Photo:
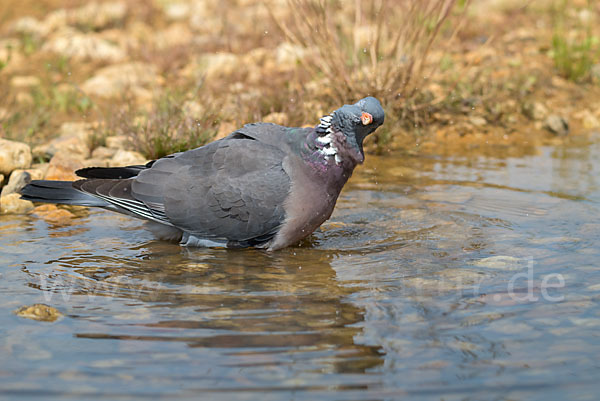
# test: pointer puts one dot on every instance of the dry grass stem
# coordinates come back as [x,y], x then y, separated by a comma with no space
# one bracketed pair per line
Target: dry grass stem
[376,47]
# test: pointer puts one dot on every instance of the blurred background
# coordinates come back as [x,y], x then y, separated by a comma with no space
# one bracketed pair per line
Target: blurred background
[167,75]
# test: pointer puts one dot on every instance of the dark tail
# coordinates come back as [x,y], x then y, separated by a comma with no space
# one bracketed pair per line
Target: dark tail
[110,172]
[59,192]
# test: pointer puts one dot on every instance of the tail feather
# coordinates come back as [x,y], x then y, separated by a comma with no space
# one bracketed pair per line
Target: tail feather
[59,192]
[110,172]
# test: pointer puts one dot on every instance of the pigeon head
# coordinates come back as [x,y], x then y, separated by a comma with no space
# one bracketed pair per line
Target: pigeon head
[355,121]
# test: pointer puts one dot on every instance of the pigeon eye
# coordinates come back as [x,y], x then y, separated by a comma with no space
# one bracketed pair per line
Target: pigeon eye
[366,118]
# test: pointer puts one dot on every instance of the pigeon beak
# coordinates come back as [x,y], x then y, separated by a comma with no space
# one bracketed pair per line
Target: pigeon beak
[366,118]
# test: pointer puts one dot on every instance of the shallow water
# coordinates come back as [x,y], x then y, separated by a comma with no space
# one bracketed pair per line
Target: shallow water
[469,276]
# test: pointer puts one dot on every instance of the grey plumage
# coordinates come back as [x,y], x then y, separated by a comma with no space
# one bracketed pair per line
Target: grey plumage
[264,185]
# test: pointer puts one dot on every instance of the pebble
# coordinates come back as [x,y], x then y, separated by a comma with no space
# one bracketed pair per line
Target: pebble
[501,262]
[177,11]
[117,142]
[557,125]
[24,82]
[73,44]
[62,167]
[127,158]
[14,155]
[13,204]
[40,312]
[588,120]
[102,152]
[53,215]
[218,65]
[478,121]
[97,15]
[17,180]
[29,26]
[113,80]
[535,111]
[288,55]
[72,144]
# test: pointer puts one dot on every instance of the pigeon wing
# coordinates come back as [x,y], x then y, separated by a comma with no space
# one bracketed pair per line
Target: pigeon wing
[231,189]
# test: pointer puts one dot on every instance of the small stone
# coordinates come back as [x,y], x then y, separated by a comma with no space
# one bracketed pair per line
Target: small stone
[17,181]
[218,65]
[588,120]
[13,204]
[13,155]
[40,312]
[535,111]
[83,130]
[174,35]
[62,167]
[557,125]
[35,172]
[29,26]
[97,15]
[113,80]
[288,55]
[73,44]
[53,215]
[103,152]
[71,144]
[477,121]
[501,262]
[127,158]
[24,82]
[38,168]
[177,11]
[117,142]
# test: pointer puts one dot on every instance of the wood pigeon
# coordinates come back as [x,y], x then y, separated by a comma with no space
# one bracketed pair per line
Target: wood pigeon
[264,185]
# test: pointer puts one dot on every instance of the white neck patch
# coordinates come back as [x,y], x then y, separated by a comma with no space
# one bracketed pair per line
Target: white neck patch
[328,148]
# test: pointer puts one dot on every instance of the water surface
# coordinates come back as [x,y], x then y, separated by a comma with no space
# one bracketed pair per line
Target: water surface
[472,275]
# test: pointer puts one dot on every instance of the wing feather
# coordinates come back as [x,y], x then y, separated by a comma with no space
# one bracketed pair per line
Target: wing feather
[234,188]
[229,189]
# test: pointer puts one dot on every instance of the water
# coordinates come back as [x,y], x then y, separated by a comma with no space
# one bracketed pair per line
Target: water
[466,276]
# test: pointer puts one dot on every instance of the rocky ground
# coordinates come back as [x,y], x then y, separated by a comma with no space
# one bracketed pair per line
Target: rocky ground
[119,82]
